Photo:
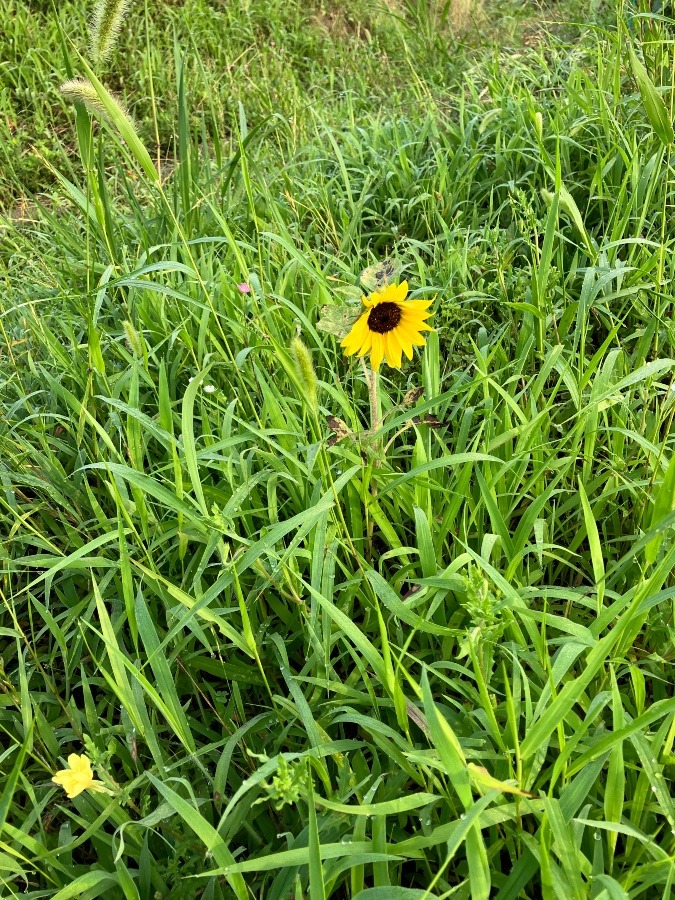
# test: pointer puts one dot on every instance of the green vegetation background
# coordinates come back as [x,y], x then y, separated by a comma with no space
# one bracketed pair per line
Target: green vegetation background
[432,662]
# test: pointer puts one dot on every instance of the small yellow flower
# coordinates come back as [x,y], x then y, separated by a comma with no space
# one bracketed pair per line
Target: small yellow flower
[390,327]
[78,777]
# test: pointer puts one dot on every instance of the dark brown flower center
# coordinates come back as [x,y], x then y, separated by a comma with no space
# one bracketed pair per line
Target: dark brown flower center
[384,317]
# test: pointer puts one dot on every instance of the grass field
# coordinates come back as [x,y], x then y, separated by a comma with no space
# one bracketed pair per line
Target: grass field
[321,634]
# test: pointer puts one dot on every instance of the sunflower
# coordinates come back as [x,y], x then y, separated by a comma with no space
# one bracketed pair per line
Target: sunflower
[390,326]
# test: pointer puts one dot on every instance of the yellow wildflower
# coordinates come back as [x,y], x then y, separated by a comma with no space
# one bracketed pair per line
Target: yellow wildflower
[78,777]
[390,327]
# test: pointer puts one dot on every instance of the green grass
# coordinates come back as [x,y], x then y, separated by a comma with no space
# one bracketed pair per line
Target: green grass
[433,661]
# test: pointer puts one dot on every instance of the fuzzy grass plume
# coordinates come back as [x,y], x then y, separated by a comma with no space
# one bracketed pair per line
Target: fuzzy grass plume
[105,27]
[79,90]
[133,338]
[305,372]
[98,99]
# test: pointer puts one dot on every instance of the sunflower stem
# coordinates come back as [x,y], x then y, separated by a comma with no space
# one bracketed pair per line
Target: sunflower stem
[372,381]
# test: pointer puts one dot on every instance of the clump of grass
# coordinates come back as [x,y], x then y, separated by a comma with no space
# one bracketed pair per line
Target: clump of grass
[302,668]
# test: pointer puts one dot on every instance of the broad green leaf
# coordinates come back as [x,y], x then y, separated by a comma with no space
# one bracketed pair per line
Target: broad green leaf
[594,544]
[97,881]
[448,747]
[664,503]
[298,857]
[208,835]
[392,893]
[657,112]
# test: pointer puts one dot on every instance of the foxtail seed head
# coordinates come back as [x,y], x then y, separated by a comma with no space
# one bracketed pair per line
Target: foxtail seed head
[134,340]
[304,368]
[539,125]
[105,26]
[79,90]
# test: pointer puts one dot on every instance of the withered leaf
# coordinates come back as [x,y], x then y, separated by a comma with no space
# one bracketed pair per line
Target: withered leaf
[429,419]
[412,396]
[339,429]
[417,716]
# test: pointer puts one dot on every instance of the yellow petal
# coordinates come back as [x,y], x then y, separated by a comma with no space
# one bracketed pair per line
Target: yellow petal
[386,347]
[405,340]
[377,353]
[393,293]
[418,305]
[394,350]
[415,326]
[409,328]
[79,763]
[366,345]
[356,336]
[72,782]
[62,776]
[411,315]
[397,292]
